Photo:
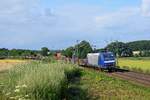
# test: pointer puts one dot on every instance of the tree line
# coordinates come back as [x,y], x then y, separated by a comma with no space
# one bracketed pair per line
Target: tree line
[81,50]
[23,53]
[120,49]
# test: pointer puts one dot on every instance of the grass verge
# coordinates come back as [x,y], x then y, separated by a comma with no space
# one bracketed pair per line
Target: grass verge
[95,85]
[36,81]
[57,81]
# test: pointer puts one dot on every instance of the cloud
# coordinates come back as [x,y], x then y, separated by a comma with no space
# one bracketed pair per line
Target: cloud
[127,20]
[23,20]
[28,24]
[146,7]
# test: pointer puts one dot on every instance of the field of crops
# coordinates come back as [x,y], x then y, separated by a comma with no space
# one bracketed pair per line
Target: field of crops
[135,64]
[6,64]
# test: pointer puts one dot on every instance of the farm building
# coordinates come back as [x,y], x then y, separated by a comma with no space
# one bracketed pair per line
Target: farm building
[58,55]
[136,53]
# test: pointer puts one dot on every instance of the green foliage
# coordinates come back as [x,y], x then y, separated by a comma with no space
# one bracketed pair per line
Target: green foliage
[37,81]
[44,51]
[17,53]
[4,53]
[120,48]
[139,45]
[80,50]
[125,49]
[68,52]
[145,53]
[49,59]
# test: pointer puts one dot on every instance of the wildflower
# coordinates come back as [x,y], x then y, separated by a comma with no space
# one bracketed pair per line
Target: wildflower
[17,97]
[17,87]
[22,98]
[26,96]
[17,90]
[24,86]
[12,98]
[7,94]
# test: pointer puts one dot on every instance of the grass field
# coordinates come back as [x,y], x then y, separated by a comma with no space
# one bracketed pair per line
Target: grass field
[57,81]
[94,85]
[135,64]
[35,81]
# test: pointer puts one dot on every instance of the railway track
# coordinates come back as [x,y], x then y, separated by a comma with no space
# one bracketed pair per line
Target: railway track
[134,77]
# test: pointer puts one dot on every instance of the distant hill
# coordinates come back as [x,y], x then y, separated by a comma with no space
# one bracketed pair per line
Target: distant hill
[139,45]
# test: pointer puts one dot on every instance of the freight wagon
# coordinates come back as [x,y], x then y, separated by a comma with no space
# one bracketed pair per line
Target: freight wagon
[104,60]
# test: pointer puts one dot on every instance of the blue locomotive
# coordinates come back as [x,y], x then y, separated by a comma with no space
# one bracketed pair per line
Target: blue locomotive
[104,60]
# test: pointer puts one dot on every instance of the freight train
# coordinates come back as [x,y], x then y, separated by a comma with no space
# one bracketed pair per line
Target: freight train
[103,61]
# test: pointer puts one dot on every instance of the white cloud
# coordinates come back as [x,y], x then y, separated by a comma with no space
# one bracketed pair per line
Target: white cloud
[26,23]
[23,20]
[127,20]
[146,7]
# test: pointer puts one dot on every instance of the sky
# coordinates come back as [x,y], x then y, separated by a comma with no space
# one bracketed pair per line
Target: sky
[57,24]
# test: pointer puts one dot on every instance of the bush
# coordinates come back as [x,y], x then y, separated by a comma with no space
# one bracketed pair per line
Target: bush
[49,59]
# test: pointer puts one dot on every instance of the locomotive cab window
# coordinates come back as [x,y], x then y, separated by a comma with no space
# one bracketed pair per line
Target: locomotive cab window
[109,57]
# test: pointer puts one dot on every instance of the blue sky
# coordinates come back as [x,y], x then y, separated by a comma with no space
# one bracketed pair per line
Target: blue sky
[57,24]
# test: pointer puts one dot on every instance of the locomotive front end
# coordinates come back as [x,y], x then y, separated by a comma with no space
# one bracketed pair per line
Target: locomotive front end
[109,60]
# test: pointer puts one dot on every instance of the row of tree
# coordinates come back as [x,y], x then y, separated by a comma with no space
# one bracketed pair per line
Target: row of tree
[143,45]
[118,48]
[127,49]
[22,53]
[82,49]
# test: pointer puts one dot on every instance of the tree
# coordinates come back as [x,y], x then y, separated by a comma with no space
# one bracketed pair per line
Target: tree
[44,51]
[14,52]
[127,52]
[82,49]
[68,52]
[119,48]
[145,53]
[139,45]
[4,53]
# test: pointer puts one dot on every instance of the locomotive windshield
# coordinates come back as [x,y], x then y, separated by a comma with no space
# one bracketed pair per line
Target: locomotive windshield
[109,56]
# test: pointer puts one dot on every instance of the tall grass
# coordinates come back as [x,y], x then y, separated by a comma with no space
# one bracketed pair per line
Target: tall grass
[38,81]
